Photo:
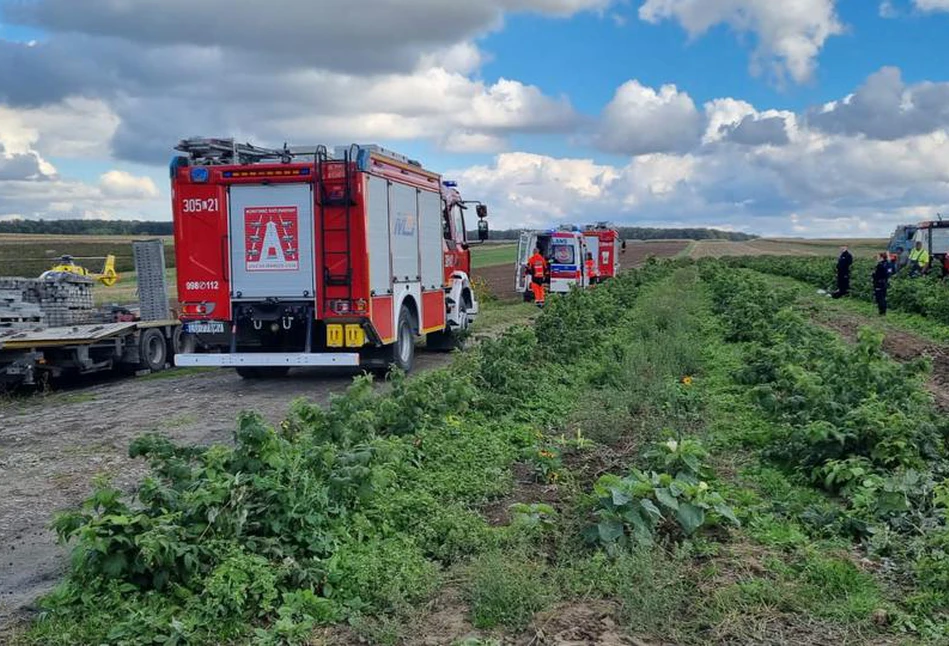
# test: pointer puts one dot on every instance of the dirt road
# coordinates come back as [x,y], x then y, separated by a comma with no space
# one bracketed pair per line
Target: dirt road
[52,447]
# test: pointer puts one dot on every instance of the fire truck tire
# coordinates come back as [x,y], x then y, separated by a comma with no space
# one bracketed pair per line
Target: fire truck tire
[183,342]
[401,354]
[449,340]
[152,350]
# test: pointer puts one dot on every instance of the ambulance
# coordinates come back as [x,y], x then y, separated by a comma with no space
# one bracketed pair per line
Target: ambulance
[565,250]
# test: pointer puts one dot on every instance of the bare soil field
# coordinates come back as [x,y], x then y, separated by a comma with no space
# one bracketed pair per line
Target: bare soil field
[784,247]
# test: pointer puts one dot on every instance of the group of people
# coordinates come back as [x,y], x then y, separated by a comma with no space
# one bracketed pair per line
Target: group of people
[536,270]
[887,266]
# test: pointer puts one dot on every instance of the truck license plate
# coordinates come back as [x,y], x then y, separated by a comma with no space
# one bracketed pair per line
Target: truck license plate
[214,327]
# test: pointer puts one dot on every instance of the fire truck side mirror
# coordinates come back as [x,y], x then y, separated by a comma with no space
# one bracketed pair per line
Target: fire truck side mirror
[482,229]
[482,211]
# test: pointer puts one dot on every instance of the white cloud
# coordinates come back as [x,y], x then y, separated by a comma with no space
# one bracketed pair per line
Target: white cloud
[31,187]
[884,107]
[790,34]
[640,120]
[120,184]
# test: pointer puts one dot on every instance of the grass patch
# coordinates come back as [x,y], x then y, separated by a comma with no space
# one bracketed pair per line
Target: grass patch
[492,255]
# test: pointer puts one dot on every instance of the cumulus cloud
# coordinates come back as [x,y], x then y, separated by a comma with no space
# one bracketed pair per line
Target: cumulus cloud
[118,183]
[758,131]
[829,184]
[640,120]
[31,187]
[382,36]
[885,108]
[790,35]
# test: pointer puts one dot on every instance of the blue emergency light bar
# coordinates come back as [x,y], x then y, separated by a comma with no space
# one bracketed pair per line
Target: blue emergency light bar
[450,184]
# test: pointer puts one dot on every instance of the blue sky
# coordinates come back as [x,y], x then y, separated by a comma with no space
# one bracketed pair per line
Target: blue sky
[644,111]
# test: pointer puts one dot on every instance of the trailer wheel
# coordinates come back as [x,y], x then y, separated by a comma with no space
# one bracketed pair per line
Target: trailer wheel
[402,353]
[152,350]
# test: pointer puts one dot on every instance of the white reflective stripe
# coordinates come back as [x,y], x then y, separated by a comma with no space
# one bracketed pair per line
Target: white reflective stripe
[265,359]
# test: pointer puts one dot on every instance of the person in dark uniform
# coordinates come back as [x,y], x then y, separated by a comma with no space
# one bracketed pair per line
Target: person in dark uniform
[881,282]
[844,263]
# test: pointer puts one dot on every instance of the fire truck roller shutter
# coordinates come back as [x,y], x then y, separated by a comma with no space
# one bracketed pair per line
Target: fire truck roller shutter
[271,229]
[431,261]
[404,234]
[377,231]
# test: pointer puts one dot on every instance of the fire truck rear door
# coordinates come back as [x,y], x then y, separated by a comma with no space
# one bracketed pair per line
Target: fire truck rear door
[272,241]
[524,250]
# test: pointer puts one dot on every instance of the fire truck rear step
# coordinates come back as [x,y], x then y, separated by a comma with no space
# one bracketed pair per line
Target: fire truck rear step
[269,359]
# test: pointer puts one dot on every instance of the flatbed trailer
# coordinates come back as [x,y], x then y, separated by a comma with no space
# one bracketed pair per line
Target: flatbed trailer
[31,356]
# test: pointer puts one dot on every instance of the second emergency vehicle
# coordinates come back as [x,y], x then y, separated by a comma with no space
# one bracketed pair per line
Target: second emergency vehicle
[564,250]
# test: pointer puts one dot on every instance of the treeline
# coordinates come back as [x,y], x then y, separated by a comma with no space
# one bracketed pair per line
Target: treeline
[88,227]
[645,233]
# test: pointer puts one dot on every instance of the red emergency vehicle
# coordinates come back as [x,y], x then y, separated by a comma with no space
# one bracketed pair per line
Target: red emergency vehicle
[307,257]
[605,244]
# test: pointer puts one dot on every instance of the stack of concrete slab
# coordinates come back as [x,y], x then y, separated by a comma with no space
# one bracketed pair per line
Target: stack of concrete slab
[152,286]
[17,313]
[63,299]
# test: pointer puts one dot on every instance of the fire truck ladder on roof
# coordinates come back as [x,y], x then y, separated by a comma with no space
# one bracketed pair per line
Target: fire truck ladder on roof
[334,195]
[209,151]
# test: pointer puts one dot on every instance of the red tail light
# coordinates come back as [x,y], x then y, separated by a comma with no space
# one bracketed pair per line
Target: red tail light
[197,309]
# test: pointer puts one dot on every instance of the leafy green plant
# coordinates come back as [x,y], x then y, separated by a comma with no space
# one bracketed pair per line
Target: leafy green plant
[638,506]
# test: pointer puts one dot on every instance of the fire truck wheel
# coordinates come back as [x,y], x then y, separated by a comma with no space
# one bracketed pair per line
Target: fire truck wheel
[450,339]
[402,352]
[183,342]
[152,350]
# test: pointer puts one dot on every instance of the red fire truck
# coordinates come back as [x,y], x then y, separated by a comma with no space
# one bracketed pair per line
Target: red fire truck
[606,245]
[311,257]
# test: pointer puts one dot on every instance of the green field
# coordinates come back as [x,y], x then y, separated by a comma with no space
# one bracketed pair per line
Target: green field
[491,255]
[679,456]
[30,255]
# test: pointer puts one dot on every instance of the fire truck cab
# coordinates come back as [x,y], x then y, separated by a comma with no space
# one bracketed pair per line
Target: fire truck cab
[565,250]
[605,244]
[306,257]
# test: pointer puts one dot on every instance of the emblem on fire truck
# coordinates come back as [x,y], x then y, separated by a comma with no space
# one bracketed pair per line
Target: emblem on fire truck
[270,238]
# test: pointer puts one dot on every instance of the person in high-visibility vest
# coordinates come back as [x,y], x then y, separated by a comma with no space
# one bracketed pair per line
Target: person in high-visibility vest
[593,273]
[537,270]
[918,260]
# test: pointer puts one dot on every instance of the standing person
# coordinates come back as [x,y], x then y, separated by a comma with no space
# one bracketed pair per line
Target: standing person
[881,282]
[918,260]
[844,263]
[537,269]
[592,271]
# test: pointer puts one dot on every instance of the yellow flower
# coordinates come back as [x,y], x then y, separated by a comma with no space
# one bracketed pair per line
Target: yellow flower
[687,381]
